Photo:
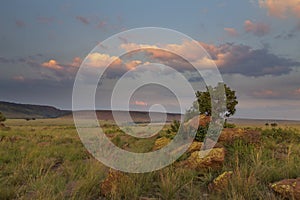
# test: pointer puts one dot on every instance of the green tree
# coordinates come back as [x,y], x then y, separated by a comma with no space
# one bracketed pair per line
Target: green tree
[205,104]
[2,117]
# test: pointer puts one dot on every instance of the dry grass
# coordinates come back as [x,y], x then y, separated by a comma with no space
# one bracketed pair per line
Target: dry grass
[45,159]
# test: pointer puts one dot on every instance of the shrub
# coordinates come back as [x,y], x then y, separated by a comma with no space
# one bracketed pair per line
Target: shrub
[2,117]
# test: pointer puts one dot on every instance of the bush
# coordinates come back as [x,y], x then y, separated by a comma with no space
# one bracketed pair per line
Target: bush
[229,125]
[274,124]
[2,117]
[280,135]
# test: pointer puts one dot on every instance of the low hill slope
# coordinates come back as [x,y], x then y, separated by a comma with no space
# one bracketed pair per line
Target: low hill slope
[22,111]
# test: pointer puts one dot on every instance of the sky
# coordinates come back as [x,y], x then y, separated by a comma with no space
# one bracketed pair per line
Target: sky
[254,43]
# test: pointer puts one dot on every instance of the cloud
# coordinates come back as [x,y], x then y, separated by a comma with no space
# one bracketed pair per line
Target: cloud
[297,92]
[266,94]
[281,8]
[44,20]
[101,60]
[101,24]
[230,58]
[20,23]
[258,29]
[76,62]
[83,20]
[6,60]
[140,103]
[289,34]
[18,78]
[231,32]
[242,59]
[52,64]
[133,64]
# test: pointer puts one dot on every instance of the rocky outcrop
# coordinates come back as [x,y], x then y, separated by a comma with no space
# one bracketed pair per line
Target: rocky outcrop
[287,188]
[220,182]
[213,158]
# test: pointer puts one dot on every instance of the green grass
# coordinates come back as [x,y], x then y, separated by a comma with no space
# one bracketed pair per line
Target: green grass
[45,159]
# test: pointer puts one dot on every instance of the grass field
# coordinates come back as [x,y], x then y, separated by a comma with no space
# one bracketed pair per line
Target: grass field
[45,159]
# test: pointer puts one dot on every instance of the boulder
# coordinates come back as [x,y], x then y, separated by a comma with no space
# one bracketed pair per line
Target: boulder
[213,158]
[287,188]
[228,135]
[3,127]
[220,182]
[195,146]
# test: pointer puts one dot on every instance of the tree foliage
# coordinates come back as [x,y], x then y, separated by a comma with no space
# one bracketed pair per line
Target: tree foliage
[205,103]
[2,117]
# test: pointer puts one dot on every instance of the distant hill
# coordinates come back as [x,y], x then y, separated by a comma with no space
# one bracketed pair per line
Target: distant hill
[137,116]
[23,111]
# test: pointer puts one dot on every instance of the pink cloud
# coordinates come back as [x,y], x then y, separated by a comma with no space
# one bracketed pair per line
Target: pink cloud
[266,93]
[140,103]
[281,8]
[231,32]
[20,23]
[18,78]
[83,20]
[297,91]
[133,64]
[258,29]
[230,58]
[101,24]
[76,62]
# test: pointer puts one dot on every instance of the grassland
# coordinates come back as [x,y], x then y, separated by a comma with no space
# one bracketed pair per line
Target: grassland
[45,159]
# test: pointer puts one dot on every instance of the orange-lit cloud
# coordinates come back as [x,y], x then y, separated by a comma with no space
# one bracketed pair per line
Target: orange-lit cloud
[266,93]
[52,64]
[258,29]
[281,8]
[231,32]
[229,58]
[18,78]
[76,62]
[101,60]
[297,91]
[133,64]
[140,103]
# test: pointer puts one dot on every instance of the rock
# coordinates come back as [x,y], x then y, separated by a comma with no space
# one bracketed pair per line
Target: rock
[3,127]
[160,143]
[220,182]
[195,146]
[110,184]
[228,135]
[214,159]
[288,188]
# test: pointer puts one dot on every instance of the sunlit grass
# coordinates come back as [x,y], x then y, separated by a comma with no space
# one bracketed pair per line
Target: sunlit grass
[45,159]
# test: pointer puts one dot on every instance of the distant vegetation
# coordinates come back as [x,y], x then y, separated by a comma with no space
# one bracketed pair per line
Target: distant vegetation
[2,117]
